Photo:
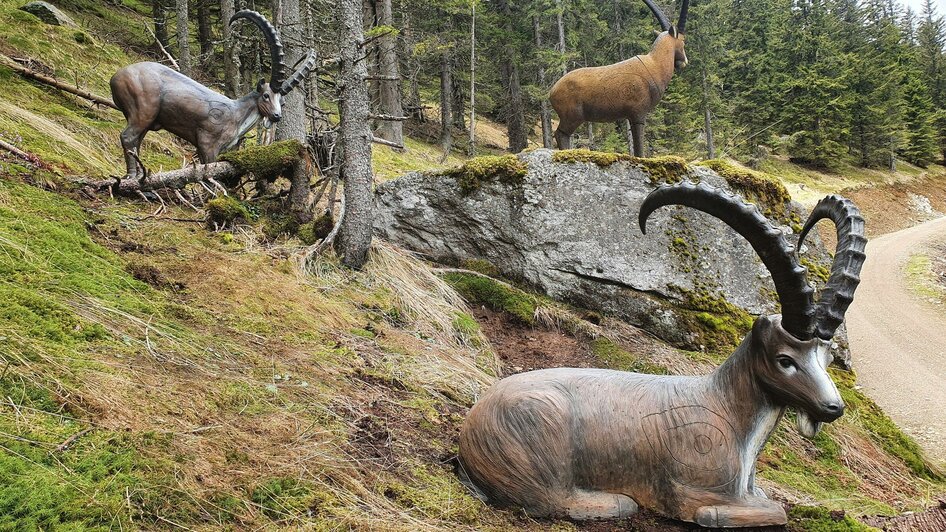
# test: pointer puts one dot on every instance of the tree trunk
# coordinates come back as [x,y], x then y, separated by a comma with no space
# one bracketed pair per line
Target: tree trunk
[458,101]
[560,21]
[545,113]
[292,125]
[354,236]
[707,120]
[317,120]
[204,34]
[371,15]
[159,13]
[446,109]
[390,130]
[515,107]
[415,108]
[472,145]
[183,38]
[231,69]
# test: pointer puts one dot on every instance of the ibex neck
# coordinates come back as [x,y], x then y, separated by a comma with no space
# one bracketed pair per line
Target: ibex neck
[736,382]
[246,116]
[662,54]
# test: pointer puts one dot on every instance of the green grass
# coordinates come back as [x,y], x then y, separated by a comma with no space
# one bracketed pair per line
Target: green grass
[920,277]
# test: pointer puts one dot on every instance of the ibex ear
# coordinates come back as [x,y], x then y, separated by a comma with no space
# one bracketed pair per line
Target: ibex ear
[673,31]
[761,332]
[259,85]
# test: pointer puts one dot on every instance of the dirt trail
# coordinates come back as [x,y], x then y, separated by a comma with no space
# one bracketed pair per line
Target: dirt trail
[898,343]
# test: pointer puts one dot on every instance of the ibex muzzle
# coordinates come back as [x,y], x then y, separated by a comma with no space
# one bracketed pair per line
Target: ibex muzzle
[593,443]
[628,90]
[154,97]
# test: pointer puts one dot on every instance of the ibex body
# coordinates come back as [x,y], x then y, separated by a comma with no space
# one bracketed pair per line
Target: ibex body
[628,90]
[154,97]
[591,443]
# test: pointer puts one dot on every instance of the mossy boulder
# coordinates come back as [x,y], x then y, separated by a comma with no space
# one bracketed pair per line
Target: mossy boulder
[564,224]
[49,14]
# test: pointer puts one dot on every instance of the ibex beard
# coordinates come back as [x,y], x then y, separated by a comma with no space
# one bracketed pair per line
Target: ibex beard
[595,443]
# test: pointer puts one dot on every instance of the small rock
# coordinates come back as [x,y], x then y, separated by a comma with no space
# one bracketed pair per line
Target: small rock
[837,515]
[48,13]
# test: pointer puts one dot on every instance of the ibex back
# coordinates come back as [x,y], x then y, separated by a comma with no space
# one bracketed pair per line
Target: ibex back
[591,443]
[154,97]
[628,90]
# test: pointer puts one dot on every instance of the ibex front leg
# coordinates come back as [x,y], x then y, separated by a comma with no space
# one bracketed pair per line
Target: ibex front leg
[753,511]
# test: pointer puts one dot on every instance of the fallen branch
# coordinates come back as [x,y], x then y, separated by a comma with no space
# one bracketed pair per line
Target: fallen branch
[163,49]
[173,179]
[72,439]
[16,151]
[383,142]
[388,118]
[31,74]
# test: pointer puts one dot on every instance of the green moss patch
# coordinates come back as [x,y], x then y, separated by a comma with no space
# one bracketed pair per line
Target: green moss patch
[495,295]
[316,230]
[224,211]
[473,173]
[821,519]
[618,358]
[664,169]
[718,324]
[265,162]
[599,158]
[765,190]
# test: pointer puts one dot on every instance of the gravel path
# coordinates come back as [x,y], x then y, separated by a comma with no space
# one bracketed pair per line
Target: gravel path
[898,342]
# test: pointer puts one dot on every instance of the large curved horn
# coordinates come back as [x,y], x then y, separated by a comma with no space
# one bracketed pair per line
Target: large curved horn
[272,39]
[682,21]
[299,74]
[661,18]
[838,292]
[792,287]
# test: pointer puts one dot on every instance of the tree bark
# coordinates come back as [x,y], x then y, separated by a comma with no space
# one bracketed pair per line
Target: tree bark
[707,119]
[446,109]
[354,236]
[183,38]
[292,125]
[515,108]
[458,102]
[204,34]
[159,13]
[560,21]
[392,131]
[317,120]
[471,149]
[231,69]
[545,112]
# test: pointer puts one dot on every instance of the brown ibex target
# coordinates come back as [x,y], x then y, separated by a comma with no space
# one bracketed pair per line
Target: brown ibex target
[153,97]
[628,90]
[594,443]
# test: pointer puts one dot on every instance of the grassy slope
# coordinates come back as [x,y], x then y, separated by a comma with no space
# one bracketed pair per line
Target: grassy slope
[209,384]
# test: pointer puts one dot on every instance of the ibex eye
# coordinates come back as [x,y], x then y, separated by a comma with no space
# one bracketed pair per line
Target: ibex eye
[265,96]
[786,362]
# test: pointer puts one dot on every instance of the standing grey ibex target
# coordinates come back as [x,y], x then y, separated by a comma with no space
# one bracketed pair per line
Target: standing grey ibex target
[593,443]
[153,97]
[627,90]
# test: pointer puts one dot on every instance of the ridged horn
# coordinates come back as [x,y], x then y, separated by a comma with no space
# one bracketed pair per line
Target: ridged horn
[682,21]
[299,74]
[661,18]
[276,55]
[776,253]
[838,292]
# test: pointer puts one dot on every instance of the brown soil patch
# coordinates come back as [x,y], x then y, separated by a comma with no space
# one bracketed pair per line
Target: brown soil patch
[888,208]
[524,348]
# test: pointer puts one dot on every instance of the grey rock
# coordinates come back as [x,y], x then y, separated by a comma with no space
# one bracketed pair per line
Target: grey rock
[570,230]
[49,14]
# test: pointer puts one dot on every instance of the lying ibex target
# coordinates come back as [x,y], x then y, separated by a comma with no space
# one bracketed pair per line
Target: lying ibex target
[153,97]
[593,443]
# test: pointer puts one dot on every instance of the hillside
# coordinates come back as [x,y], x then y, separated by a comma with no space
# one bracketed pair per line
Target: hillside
[157,374]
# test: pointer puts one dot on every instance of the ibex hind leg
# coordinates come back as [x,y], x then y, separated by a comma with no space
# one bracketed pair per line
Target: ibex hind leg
[583,504]
[131,139]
